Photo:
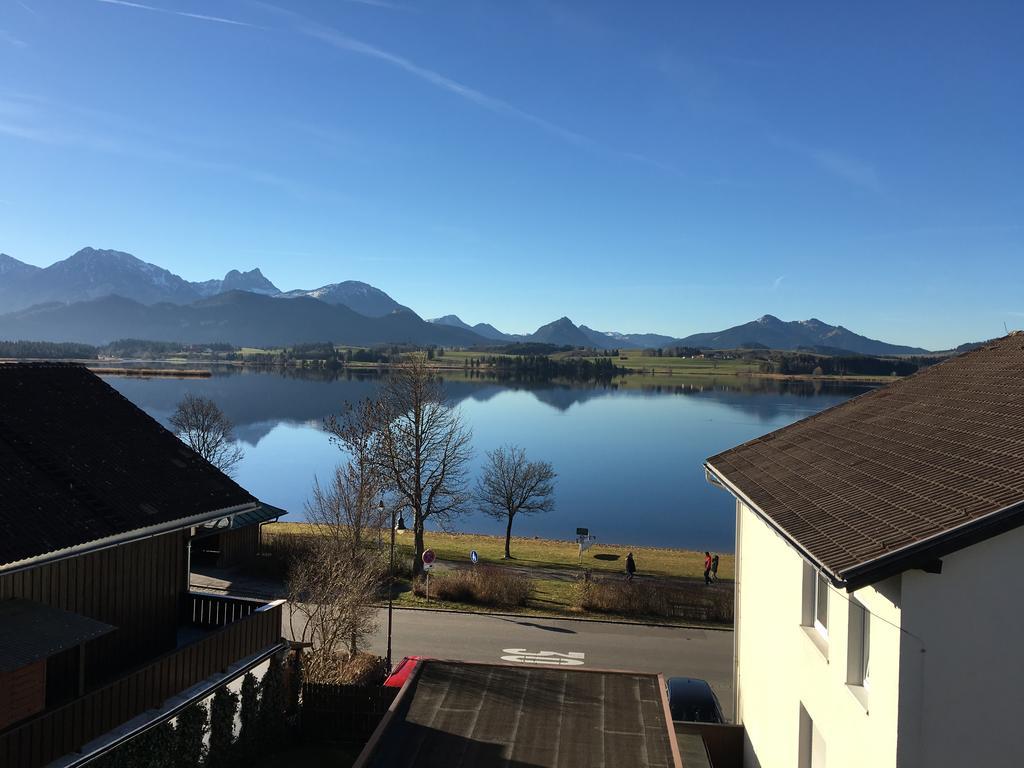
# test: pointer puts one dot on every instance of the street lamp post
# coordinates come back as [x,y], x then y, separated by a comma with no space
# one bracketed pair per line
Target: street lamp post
[399,526]
[391,580]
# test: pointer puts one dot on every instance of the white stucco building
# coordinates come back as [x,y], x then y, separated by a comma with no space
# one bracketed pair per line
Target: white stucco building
[880,568]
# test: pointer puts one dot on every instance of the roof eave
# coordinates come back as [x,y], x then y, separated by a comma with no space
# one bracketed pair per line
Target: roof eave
[724,482]
[123,538]
[920,554]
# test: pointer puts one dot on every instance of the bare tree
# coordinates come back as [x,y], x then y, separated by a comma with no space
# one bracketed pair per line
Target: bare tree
[511,485]
[332,587]
[357,431]
[202,425]
[424,448]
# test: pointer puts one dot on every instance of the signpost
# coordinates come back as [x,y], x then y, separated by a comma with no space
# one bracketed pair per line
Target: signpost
[585,540]
[428,563]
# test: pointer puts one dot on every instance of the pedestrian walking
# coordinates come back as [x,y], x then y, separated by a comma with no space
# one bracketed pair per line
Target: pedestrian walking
[630,567]
[707,567]
[714,568]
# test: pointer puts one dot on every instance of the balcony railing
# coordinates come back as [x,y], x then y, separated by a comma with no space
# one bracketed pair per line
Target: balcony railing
[239,628]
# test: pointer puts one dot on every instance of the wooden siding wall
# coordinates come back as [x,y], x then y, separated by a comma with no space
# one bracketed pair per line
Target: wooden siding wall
[22,692]
[238,546]
[136,587]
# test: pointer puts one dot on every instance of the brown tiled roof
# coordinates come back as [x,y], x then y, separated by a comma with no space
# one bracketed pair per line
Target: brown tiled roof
[80,463]
[895,470]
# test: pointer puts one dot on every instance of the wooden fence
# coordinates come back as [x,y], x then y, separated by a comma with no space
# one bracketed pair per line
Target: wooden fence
[64,730]
[343,713]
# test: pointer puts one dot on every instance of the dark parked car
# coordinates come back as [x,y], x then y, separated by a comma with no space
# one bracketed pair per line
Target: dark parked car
[692,700]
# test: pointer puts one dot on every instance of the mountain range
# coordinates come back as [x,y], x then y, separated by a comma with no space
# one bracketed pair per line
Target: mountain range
[96,296]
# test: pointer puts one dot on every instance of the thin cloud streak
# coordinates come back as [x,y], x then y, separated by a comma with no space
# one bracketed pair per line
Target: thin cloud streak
[842,166]
[7,37]
[199,16]
[344,42]
[845,167]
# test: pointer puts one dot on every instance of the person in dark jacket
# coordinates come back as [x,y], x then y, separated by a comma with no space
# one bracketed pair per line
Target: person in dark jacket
[714,568]
[630,567]
[707,567]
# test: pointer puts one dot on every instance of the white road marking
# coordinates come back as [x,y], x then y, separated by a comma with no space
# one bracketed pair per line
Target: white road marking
[550,658]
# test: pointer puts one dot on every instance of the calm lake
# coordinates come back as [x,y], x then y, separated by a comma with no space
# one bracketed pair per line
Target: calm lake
[628,460]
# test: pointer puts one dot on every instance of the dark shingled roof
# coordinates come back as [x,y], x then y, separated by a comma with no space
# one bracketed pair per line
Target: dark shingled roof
[897,472]
[80,463]
[31,631]
[456,714]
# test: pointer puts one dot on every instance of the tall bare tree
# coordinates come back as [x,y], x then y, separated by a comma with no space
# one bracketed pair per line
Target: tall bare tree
[424,448]
[357,432]
[333,585]
[201,424]
[511,485]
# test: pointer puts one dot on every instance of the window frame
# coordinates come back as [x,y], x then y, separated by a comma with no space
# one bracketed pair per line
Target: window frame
[821,598]
[858,664]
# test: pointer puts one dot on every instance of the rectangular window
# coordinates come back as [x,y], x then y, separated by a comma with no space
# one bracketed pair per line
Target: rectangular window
[812,743]
[858,658]
[821,604]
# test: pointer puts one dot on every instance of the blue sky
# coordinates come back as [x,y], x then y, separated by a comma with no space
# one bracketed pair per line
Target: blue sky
[671,167]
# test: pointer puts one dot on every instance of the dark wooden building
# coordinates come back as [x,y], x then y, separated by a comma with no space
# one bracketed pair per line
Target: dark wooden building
[98,507]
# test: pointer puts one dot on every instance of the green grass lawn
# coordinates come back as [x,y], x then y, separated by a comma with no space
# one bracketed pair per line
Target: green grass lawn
[549,553]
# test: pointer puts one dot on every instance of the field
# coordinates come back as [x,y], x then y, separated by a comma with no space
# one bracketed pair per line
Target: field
[548,553]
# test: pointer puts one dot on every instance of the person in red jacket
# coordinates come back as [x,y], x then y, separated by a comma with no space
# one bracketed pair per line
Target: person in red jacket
[707,567]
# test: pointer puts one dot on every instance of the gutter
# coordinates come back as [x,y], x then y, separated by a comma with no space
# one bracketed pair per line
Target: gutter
[918,554]
[718,479]
[121,539]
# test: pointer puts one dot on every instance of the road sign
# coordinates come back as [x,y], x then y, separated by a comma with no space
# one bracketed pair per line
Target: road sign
[582,531]
[546,658]
[427,566]
[428,557]
[474,556]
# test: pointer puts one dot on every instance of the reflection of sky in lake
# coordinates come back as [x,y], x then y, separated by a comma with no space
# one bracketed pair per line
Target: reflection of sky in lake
[629,462]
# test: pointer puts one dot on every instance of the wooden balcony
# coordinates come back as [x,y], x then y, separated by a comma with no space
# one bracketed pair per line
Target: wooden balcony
[217,631]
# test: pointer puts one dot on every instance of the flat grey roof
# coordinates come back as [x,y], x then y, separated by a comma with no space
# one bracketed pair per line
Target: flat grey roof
[31,631]
[461,714]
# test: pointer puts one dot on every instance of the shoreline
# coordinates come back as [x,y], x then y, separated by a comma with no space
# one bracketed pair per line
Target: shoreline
[648,376]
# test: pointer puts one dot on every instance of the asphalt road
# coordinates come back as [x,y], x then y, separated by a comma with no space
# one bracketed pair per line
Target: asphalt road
[671,651]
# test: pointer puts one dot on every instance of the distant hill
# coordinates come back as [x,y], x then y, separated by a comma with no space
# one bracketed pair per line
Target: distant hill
[361,297]
[92,274]
[12,269]
[770,332]
[562,332]
[616,340]
[237,317]
[252,281]
[486,330]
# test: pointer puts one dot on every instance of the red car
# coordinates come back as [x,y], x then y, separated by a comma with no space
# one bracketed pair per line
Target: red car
[402,671]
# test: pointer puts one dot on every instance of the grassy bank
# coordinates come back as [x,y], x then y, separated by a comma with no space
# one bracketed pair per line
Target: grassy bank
[547,553]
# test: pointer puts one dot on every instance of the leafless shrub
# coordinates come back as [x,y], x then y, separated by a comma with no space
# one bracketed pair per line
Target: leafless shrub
[480,585]
[695,602]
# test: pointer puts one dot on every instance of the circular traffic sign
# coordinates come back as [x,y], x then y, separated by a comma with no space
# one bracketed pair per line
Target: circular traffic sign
[474,556]
[428,557]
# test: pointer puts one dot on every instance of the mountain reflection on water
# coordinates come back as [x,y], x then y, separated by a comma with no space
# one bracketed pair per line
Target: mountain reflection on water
[629,459]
